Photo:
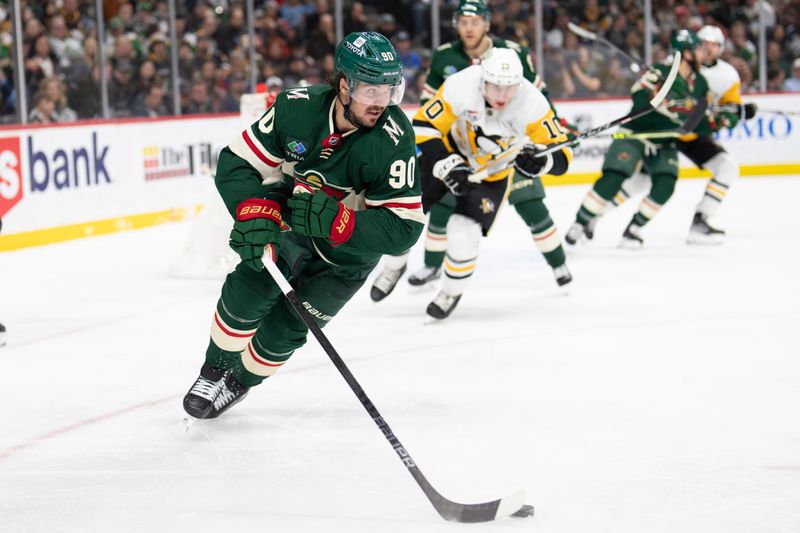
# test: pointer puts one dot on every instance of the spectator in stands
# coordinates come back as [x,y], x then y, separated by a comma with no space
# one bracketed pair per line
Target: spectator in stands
[199,101]
[229,35]
[73,18]
[158,54]
[322,40]
[43,111]
[793,84]
[151,103]
[146,77]
[593,18]
[53,88]
[585,74]
[198,16]
[41,63]
[618,79]
[293,12]
[320,8]
[356,20]
[411,60]
[84,95]
[775,58]
[741,45]
[775,78]
[65,46]
[121,89]
[619,29]
[387,25]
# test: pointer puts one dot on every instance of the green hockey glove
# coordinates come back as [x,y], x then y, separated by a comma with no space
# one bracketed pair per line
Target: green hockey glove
[258,224]
[319,215]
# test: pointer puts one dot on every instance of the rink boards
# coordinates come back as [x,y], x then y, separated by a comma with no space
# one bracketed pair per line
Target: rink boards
[70,181]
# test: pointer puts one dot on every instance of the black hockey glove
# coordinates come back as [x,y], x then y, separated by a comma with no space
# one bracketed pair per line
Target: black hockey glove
[454,173]
[258,224]
[750,109]
[530,164]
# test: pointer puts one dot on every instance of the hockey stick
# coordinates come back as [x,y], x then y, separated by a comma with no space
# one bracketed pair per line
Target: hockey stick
[735,109]
[589,36]
[593,132]
[514,504]
[692,121]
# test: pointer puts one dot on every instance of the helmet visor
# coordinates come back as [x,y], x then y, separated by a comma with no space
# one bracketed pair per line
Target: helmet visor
[499,92]
[379,95]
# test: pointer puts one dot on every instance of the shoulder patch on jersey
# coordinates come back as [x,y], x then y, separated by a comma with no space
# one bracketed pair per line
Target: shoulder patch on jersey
[393,129]
[512,45]
[297,93]
[444,46]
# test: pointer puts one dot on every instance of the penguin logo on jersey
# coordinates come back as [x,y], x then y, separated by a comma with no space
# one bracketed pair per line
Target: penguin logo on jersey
[487,206]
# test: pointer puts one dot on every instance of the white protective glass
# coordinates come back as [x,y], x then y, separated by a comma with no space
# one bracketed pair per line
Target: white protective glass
[379,95]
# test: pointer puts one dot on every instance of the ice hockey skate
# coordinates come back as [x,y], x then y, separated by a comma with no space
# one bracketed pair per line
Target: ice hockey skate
[701,232]
[632,237]
[425,275]
[199,401]
[231,393]
[385,283]
[562,274]
[441,307]
[580,232]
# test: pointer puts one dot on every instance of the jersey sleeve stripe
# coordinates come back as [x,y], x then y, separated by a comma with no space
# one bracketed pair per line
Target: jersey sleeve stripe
[408,201]
[240,147]
[408,214]
[258,148]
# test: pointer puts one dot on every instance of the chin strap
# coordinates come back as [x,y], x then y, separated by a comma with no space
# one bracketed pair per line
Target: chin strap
[347,116]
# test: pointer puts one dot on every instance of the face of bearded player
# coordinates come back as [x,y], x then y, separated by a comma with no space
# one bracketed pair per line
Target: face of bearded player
[368,101]
[471,30]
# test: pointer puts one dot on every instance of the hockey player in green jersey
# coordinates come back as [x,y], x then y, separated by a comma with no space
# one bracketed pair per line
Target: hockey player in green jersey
[471,21]
[334,167]
[659,156]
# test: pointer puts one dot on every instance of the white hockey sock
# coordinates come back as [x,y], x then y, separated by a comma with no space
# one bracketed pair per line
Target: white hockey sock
[724,170]
[463,244]
[395,262]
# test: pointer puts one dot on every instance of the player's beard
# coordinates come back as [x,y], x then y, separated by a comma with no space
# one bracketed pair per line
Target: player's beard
[370,116]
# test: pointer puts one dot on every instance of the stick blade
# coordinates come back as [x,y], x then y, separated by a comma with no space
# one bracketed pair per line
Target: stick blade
[673,73]
[577,30]
[481,512]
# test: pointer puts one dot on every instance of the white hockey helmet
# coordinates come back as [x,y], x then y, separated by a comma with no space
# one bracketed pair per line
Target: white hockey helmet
[713,34]
[502,67]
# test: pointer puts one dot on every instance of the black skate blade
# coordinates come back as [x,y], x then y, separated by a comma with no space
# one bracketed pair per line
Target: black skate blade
[525,511]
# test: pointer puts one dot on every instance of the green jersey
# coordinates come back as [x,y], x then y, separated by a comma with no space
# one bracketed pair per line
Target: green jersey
[370,170]
[679,102]
[451,58]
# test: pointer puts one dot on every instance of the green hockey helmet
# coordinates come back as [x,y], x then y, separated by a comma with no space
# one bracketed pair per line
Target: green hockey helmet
[685,40]
[372,68]
[471,8]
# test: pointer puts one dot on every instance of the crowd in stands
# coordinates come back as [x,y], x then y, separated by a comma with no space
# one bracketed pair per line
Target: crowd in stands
[295,41]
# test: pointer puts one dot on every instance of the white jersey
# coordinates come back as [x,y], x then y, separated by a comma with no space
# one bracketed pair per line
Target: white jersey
[723,83]
[459,115]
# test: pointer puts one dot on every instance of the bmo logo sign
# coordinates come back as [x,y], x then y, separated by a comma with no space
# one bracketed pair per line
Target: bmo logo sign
[10,174]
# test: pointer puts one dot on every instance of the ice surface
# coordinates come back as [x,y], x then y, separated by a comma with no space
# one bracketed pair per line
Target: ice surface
[658,393]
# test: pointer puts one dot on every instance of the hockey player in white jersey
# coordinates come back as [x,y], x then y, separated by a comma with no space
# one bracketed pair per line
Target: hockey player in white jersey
[488,117]
[725,88]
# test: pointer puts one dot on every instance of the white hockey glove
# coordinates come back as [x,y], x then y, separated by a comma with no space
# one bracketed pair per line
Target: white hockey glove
[530,164]
[454,173]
